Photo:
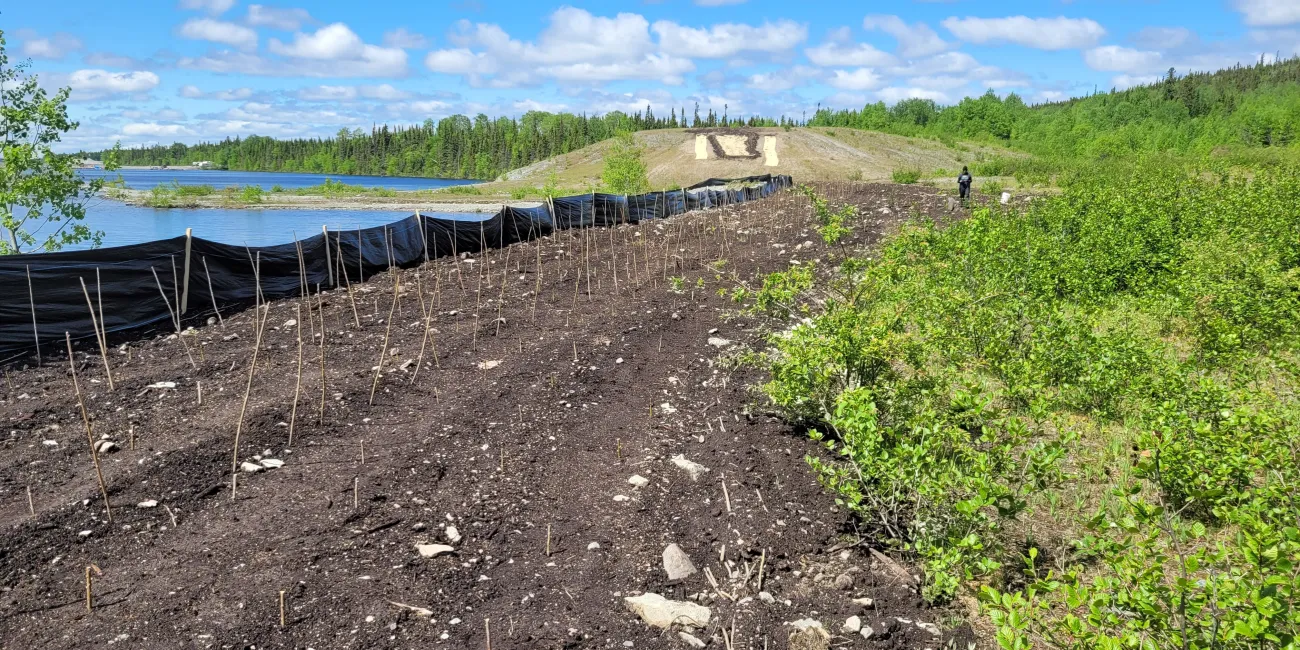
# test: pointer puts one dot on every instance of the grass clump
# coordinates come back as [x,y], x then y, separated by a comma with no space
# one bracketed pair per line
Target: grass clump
[906,176]
[467,190]
[1082,412]
[332,188]
[175,195]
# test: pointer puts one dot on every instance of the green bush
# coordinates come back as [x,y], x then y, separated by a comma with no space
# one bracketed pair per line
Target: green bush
[907,176]
[469,190]
[1084,410]
[625,170]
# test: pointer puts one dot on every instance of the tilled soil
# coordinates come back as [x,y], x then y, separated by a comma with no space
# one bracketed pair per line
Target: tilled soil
[520,433]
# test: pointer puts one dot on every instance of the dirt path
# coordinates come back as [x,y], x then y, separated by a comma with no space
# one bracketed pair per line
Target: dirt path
[521,435]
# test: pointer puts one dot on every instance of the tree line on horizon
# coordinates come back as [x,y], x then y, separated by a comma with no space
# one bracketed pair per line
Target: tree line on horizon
[453,147]
[1256,106]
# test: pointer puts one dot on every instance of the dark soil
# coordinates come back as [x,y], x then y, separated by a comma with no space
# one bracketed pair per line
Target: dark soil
[524,455]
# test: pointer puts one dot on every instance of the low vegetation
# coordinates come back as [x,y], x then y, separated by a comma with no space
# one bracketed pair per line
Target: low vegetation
[1082,412]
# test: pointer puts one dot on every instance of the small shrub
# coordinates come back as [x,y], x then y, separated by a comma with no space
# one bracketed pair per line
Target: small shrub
[992,188]
[520,193]
[277,189]
[625,170]
[907,176]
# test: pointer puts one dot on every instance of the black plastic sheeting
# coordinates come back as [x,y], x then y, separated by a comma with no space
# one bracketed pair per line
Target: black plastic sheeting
[122,279]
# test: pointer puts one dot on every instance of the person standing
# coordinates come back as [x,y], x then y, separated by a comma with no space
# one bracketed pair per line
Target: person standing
[963,185]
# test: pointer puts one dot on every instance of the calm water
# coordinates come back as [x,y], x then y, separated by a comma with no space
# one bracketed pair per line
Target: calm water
[145,179]
[124,224]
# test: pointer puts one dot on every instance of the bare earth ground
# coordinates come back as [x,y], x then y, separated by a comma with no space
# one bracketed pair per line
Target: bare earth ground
[521,433]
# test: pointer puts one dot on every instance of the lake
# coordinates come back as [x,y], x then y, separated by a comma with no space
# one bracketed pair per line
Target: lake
[147,179]
[124,224]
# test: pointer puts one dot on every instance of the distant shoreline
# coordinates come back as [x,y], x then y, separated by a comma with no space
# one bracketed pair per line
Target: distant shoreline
[401,200]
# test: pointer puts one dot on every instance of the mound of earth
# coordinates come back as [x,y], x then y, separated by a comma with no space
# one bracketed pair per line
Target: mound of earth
[577,410]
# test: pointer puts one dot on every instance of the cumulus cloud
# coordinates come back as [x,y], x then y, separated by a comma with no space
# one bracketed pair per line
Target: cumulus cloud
[214,7]
[154,129]
[190,91]
[382,92]
[277,18]
[893,94]
[1058,33]
[98,84]
[914,40]
[165,114]
[405,39]
[729,39]
[859,79]
[53,47]
[860,54]
[1269,13]
[780,80]
[219,31]
[331,51]
[1114,58]
[575,47]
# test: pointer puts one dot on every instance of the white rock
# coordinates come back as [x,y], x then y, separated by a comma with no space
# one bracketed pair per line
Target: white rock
[638,480]
[251,468]
[290,323]
[865,602]
[689,640]
[50,443]
[452,534]
[766,598]
[488,365]
[84,533]
[147,504]
[662,613]
[866,632]
[718,342]
[272,463]
[622,497]
[594,546]
[694,470]
[667,409]
[930,627]
[230,337]
[162,384]
[434,550]
[105,446]
[853,624]
[677,564]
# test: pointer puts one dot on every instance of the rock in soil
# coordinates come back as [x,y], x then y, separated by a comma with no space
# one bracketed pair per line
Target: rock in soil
[434,550]
[692,469]
[690,640]
[677,564]
[660,612]
[809,635]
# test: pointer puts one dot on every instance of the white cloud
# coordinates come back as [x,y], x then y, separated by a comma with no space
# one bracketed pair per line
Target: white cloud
[938,82]
[110,60]
[53,47]
[1058,33]
[728,39]
[405,39]
[190,91]
[218,31]
[154,129]
[383,92]
[1128,81]
[575,47]
[893,95]
[781,80]
[523,106]
[860,54]
[331,51]
[1114,58]
[98,84]
[164,114]
[1269,13]
[277,18]
[214,7]
[335,41]
[859,79]
[914,40]
[1163,38]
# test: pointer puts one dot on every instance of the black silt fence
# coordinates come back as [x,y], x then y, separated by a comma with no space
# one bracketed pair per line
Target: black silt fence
[187,266]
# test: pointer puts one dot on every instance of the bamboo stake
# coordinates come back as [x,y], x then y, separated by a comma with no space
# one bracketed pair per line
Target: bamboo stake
[90,436]
[173,317]
[176,294]
[356,319]
[89,601]
[297,387]
[36,333]
[212,294]
[281,608]
[487,628]
[383,352]
[320,417]
[537,287]
[248,387]
[99,335]
[419,359]
[501,298]
[31,505]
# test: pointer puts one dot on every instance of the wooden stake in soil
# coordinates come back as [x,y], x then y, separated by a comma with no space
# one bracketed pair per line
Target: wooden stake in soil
[31,505]
[31,297]
[548,540]
[248,387]
[419,359]
[487,629]
[356,490]
[320,417]
[281,608]
[212,294]
[348,283]
[89,600]
[297,387]
[175,319]
[90,436]
[99,333]
[383,352]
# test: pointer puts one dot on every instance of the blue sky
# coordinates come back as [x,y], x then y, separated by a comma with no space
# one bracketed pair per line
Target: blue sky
[152,71]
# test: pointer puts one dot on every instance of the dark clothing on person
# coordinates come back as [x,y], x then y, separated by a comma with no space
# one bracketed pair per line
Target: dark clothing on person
[963,184]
